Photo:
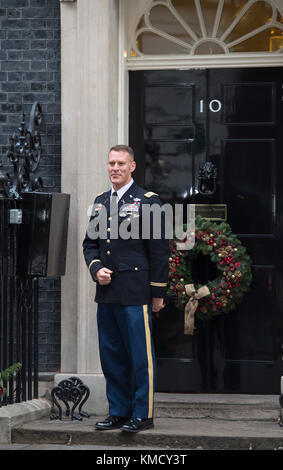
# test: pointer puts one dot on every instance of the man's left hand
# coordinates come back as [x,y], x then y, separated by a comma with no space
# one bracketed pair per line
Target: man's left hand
[157,304]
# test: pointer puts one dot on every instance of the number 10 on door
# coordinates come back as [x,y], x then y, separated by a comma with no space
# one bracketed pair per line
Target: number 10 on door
[214,106]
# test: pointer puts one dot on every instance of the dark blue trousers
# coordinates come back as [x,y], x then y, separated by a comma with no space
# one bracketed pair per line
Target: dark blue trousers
[127,358]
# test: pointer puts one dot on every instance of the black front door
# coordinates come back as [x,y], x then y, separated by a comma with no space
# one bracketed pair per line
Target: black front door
[233,117]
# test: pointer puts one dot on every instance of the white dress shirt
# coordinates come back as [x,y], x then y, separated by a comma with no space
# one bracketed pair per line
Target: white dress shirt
[120,192]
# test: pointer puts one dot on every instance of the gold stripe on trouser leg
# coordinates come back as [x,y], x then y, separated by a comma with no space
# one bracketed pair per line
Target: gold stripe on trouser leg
[149,361]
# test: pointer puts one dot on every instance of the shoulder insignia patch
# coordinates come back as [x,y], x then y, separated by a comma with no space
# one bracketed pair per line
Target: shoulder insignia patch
[149,194]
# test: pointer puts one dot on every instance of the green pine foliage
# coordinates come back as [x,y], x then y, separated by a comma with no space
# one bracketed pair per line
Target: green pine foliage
[7,374]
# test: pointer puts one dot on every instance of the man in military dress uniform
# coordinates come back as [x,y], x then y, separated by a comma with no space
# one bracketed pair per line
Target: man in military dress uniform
[131,275]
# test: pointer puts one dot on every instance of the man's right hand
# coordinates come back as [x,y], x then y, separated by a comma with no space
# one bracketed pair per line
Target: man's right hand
[103,276]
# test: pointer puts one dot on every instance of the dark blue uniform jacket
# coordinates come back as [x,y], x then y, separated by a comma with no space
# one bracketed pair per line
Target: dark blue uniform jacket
[139,265]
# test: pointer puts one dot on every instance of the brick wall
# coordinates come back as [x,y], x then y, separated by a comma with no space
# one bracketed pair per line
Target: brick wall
[30,71]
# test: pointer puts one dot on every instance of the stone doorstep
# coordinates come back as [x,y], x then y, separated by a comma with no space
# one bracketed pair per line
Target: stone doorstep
[217,406]
[235,413]
[30,421]
[19,413]
[172,433]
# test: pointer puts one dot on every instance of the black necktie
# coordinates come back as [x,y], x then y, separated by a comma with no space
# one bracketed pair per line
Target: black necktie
[114,196]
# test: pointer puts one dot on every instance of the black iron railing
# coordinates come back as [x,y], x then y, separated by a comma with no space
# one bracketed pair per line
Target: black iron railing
[18,316]
[33,243]
[18,293]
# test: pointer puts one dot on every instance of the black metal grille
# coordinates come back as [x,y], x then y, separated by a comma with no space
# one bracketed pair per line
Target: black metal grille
[18,315]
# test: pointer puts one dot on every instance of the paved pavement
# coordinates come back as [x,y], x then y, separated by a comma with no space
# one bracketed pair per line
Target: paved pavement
[44,447]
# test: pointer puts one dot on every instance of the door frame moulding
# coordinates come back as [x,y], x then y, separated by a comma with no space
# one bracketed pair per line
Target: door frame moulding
[204,61]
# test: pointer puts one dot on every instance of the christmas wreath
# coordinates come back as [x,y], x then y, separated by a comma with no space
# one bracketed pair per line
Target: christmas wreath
[232,262]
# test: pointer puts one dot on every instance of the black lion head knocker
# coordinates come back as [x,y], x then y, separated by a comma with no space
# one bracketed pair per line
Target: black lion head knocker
[207,179]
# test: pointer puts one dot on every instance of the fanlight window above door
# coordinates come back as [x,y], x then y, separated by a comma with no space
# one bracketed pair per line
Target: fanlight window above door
[198,27]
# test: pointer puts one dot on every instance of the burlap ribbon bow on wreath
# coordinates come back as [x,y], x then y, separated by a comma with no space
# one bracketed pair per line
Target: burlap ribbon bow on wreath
[191,306]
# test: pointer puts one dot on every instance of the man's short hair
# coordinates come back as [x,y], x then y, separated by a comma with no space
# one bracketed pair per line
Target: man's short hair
[123,148]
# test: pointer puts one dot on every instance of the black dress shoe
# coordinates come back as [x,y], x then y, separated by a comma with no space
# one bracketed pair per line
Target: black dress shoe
[137,424]
[111,422]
